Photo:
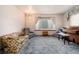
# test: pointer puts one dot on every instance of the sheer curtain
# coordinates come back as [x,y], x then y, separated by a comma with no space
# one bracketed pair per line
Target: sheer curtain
[45,24]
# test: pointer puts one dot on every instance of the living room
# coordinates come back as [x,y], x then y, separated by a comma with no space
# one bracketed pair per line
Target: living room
[39,29]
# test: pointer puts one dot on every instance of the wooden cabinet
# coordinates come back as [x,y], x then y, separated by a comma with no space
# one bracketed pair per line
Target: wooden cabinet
[45,33]
[73,36]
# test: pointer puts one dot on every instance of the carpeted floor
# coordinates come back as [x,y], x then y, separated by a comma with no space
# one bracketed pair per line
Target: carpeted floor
[48,45]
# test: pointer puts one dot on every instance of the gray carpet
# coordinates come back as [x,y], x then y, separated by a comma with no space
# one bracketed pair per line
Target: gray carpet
[48,45]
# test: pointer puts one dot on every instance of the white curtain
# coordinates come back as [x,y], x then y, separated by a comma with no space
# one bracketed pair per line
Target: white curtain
[49,23]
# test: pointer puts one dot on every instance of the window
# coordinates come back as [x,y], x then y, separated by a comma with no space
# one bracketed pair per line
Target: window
[45,23]
[74,20]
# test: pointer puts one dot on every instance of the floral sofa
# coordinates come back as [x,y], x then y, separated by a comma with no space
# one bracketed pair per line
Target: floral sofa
[13,42]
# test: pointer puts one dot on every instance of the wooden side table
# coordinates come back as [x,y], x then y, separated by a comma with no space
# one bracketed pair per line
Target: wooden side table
[45,33]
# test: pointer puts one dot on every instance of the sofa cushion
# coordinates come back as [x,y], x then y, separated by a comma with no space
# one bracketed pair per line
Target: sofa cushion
[12,42]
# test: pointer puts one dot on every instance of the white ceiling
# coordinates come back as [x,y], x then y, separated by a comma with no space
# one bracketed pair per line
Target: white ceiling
[45,9]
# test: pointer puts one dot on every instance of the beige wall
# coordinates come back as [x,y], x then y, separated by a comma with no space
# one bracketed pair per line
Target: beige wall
[74,20]
[31,20]
[73,17]
[11,19]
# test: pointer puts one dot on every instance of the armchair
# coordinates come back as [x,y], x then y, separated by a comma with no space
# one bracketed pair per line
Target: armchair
[61,34]
[29,32]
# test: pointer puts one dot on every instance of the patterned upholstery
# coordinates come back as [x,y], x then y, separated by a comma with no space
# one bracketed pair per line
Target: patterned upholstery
[13,42]
[29,32]
[60,30]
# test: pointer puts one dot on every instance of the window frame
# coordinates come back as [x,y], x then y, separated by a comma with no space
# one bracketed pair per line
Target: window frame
[50,18]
